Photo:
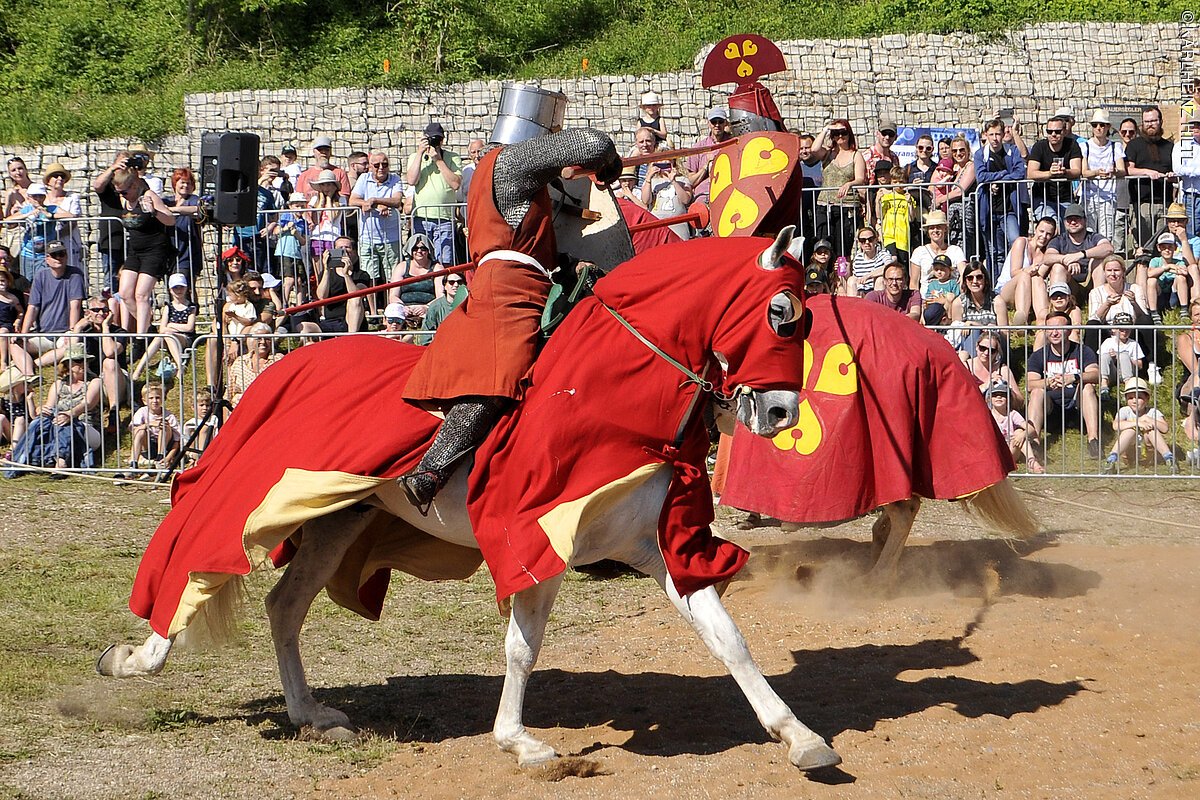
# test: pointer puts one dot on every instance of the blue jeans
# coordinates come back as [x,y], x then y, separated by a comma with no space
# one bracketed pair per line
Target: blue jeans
[441,233]
[1002,232]
[1191,202]
[112,263]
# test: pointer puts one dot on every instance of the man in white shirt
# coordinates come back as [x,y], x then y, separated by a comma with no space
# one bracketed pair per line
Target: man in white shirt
[1185,163]
[380,194]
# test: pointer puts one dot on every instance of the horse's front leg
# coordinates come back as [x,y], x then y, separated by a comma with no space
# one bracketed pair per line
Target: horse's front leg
[323,544]
[127,661]
[523,642]
[707,615]
[888,535]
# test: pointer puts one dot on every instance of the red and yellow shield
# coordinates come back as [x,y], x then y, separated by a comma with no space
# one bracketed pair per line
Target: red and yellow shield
[756,185]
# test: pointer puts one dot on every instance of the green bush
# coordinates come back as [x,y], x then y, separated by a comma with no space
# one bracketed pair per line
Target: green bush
[77,69]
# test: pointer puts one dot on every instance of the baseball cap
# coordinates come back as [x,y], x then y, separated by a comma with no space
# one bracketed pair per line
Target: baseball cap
[322,141]
[1167,238]
[1058,288]
[1136,385]
[887,124]
[999,387]
[883,165]
[269,281]
[717,112]
[1122,318]
[36,188]
[1074,210]
[395,311]
[56,248]
[178,279]
[815,275]
[434,129]
[288,148]
[942,260]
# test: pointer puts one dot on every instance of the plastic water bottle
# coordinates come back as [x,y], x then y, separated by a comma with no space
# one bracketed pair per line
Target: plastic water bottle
[841,266]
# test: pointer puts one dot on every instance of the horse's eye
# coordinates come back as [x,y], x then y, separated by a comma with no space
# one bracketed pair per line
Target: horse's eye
[783,313]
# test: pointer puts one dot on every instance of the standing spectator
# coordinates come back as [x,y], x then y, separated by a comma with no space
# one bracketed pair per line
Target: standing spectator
[1185,163]
[1061,378]
[868,264]
[1003,198]
[16,197]
[810,181]
[189,242]
[1103,166]
[322,150]
[68,208]
[1139,425]
[357,165]
[650,116]
[110,232]
[896,295]
[253,239]
[895,208]
[1066,115]
[55,307]
[435,174]
[379,194]
[151,253]
[291,250]
[885,137]
[1053,163]
[142,162]
[960,197]
[1121,356]
[40,228]
[937,233]
[1020,435]
[475,150]
[920,169]
[1149,163]
[327,216]
[1023,274]
[1075,255]
[667,193]
[698,166]
[290,166]
[1012,135]
[839,204]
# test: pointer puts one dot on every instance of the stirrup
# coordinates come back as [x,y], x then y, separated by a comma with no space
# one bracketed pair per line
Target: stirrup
[421,504]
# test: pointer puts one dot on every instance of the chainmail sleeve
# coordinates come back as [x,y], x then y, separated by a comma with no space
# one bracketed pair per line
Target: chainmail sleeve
[525,168]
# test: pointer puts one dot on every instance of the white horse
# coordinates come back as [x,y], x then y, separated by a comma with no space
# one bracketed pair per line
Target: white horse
[625,529]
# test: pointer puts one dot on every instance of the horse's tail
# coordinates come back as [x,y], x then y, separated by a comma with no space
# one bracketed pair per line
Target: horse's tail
[215,621]
[1000,507]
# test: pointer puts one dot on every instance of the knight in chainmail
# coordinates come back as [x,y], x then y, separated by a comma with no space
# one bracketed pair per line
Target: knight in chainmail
[478,362]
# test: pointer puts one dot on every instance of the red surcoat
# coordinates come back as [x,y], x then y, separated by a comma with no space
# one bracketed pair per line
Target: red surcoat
[487,345]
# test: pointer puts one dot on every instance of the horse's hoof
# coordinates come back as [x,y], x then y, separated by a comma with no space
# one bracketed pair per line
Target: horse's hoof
[339,734]
[537,758]
[819,756]
[107,662]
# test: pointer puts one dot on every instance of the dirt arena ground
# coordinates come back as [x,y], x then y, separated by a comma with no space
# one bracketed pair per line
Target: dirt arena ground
[1067,667]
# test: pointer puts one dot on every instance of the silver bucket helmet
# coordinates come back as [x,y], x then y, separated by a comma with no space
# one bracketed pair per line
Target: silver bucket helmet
[527,111]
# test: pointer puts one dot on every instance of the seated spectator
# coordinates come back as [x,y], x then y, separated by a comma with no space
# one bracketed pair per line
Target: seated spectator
[667,193]
[1121,356]
[1116,295]
[822,260]
[156,435]
[816,281]
[867,264]
[338,273]
[55,307]
[1139,427]
[19,284]
[63,435]
[1075,255]
[454,291]
[418,260]
[239,313]
[1023,276]
[208,424]
[1168,278]
[16,403]
[1060,301]
[235,262]
[895,208]
[176,326]
[402,323]
[1021,435]
[896,294]
[1052,164]
[1188,249]
[627,186]
[937,232]
[1061,380]
[976,307]
[650,116]
[1187,350]
[698,166]
[260,354]
[12,308]
[107,354]
[644,142]
[989,367]
[941,291]
[264,296]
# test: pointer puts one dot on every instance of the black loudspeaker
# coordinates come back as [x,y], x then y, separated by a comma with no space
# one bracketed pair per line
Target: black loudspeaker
[210,143]
[236,198]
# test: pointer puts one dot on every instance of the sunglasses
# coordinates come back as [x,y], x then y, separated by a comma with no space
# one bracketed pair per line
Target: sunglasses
[380,164]
[394,320]
[984,348]
[836,133]
[973,278]
[100,310]
[959,150]
[421,248]
[1129,132]
[1099,124]
[1055,131]
[866,239]
[454,283]
[926,149]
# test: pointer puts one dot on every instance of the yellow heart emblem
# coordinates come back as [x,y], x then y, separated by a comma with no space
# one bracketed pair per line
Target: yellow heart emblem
[749,48]
[732,52]
[722,176]
[805,436]
[740,212]
[761,157]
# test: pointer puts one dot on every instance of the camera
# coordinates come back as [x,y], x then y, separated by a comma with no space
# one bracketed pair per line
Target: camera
[138,161]
[337,255]
[435,142]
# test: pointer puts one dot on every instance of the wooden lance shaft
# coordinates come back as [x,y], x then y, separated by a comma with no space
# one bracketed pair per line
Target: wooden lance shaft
[664,222]
[383,287]
[662,155]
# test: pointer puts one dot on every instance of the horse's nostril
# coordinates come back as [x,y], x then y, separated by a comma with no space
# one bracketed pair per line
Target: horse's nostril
[777,415]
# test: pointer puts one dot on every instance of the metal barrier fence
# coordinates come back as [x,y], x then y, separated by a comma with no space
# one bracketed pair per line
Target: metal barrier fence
[100,436]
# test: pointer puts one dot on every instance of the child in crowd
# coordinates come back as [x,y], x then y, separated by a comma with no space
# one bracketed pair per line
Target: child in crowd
[290,249]
[239,311]
[204,401]
[941,290]
[650,116]
[1139,424]
[156,433]
[1120,354]
[895,209]
[1021,435]
[1167,276]
[16,403]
